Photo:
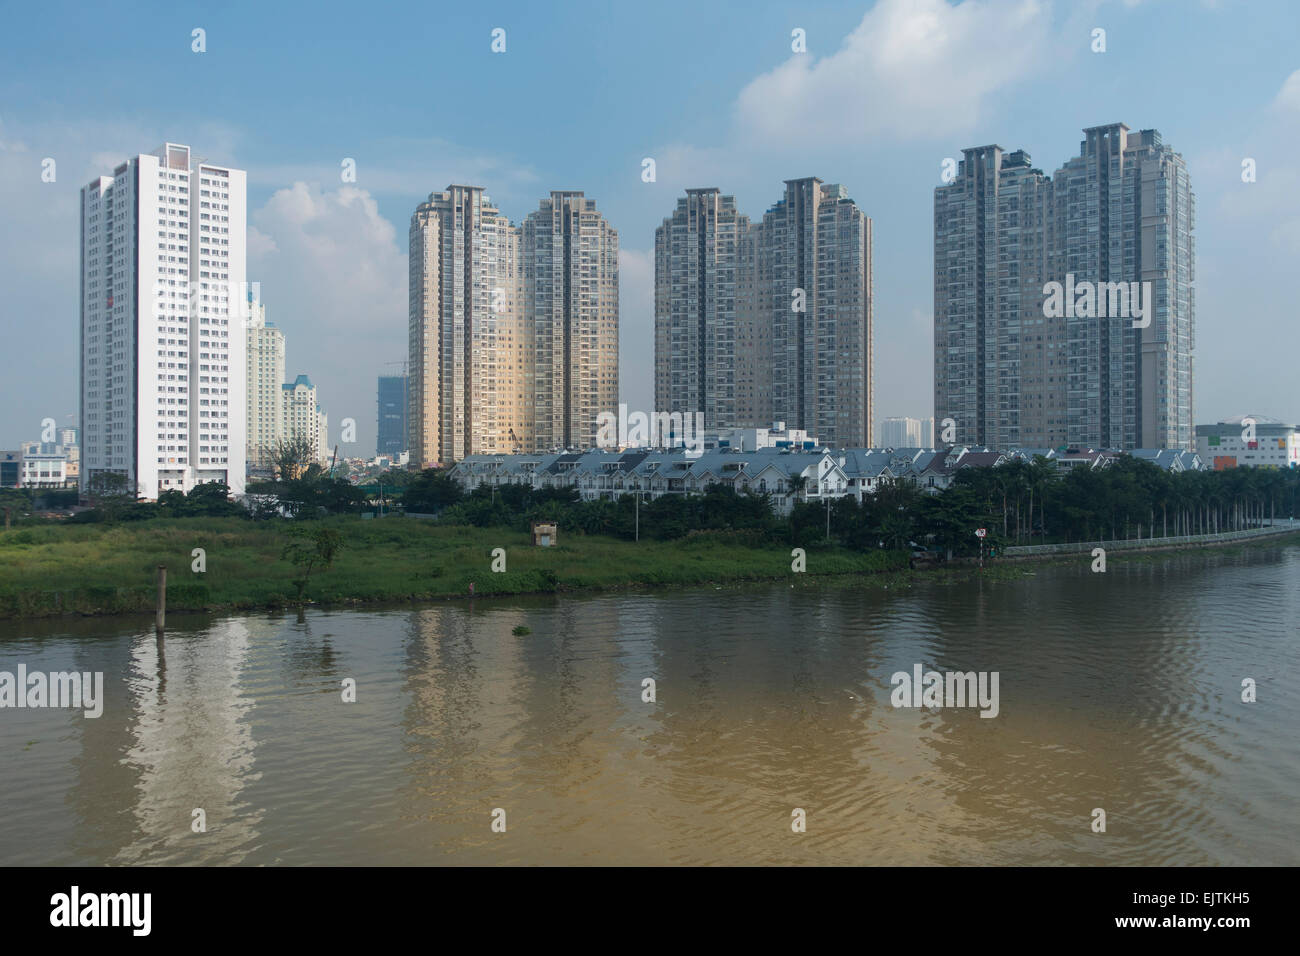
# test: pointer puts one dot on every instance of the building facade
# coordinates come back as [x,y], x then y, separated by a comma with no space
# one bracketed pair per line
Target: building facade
[1112,224]
[162,346]
[303,418]
[699,309]
[756,322]
[391,440]
[814,289]
[265,380]
[44,465]
[903,433]
[570,312]
[468,347]
[1250,441]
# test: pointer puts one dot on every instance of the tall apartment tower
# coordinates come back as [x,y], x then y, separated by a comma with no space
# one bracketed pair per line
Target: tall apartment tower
[903,433]
[1008,370]
[265,376]
[163,349]
[303,418]
[469,348]
[391,440]
[699,293]
[570,307]
[813,262]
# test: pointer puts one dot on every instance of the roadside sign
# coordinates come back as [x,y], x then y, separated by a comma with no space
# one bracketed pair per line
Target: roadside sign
[980,532]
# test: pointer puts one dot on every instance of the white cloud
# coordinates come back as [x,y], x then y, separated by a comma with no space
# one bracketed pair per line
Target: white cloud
[1288,97]
[333,277]
[404,166]
[911,69]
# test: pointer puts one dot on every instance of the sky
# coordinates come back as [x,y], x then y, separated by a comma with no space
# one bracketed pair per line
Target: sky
[581,95]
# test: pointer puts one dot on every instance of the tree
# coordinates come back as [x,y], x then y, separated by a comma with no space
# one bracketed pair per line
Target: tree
[290,456]
[952,518]
[432,490]
[311,546]
[111,494]
[211,499]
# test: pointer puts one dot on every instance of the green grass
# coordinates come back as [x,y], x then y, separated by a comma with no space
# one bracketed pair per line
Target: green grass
[96,569]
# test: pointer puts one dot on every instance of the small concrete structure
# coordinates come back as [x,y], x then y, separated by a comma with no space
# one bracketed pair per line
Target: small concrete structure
[544,533]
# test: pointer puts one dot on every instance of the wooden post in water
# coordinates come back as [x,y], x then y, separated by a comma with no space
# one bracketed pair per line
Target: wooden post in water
[160,616]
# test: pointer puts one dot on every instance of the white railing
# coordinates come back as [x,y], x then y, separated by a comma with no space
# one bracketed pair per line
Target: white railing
[1281,527]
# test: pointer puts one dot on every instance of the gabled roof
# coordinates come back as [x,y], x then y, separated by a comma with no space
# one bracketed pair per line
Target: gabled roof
[980,459]
[865,462]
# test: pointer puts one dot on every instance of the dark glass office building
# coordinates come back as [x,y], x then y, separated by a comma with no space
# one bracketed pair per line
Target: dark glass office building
[392,415]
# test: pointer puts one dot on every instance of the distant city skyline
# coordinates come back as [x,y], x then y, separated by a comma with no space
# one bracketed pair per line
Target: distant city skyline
[741,112]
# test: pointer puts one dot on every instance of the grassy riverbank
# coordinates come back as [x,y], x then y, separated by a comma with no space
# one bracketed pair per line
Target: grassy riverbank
[97,569]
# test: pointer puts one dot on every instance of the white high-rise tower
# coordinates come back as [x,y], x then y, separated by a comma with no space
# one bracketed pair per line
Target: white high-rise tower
[163,351]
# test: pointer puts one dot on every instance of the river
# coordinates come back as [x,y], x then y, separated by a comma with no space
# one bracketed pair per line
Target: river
[1119,691]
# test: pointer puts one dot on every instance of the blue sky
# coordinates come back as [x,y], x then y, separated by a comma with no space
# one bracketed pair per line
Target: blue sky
[582,94]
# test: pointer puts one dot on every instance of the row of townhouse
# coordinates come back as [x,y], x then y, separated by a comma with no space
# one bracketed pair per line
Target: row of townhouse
[786,475]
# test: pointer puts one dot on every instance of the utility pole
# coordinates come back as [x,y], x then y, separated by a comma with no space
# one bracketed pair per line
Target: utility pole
[638,515]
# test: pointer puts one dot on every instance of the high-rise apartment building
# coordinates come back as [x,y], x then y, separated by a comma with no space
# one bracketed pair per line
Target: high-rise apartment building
[162,340]
[303,417]
[767,321]
[468,391]
[392,416]
[265,377]
[903,433]
[700,288]
[1113,368]
[814,286]
[570,311]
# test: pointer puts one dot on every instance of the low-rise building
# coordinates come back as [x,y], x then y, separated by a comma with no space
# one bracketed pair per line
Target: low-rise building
[756,439]
[787,476]
[1172,460]
[1248,441]
[45,465]
[11,465]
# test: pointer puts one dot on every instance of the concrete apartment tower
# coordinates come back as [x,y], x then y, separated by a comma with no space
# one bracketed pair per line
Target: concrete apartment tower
[303,418]
[700,284]
[469,369]
[903,433]
[1009,371]
[265,377]
[813,261]
[163,395]
[570,307]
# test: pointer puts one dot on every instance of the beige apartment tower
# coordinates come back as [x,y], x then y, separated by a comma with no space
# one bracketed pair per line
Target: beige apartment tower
[265,377]
[470,351]
[570,308]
